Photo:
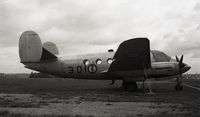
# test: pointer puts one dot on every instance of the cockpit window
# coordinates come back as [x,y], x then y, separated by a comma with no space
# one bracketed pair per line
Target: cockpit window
[160,56]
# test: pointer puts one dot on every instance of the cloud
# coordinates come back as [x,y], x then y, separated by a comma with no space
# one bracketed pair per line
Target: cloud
[185,39]
[88,26]
[10,62]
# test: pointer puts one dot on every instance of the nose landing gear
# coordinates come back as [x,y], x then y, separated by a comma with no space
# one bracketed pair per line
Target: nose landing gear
[179,86]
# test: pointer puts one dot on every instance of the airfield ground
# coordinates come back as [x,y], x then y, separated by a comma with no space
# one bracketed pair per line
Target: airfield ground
[26,97]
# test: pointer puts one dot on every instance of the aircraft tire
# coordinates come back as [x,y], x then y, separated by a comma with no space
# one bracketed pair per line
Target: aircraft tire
[178,88]
[129,86]
[124,86]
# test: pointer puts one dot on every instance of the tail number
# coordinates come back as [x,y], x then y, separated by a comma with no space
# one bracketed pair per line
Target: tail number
[90,69]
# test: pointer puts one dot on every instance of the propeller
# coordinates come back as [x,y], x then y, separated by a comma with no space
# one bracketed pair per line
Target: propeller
[180,65]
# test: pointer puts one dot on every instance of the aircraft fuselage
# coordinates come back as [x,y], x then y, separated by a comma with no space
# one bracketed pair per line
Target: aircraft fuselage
[95,66]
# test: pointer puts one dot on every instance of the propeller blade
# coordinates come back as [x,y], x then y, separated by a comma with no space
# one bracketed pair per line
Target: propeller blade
[181,60]
[181,64]
[180,75]
[177,59]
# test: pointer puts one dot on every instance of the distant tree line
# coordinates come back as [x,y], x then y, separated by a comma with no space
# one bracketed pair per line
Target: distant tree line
[2,75]
[191,76]
[40,75]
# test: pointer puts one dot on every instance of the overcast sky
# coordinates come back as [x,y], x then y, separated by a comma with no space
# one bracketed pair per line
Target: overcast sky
[88,26]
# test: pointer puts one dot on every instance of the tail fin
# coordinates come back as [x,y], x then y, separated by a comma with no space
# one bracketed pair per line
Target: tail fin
[31,49]
[51,47]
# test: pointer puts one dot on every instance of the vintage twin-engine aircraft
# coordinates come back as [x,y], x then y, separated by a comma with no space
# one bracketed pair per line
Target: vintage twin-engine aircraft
[132,62]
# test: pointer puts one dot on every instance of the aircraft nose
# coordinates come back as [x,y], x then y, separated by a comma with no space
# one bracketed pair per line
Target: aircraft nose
[185,68]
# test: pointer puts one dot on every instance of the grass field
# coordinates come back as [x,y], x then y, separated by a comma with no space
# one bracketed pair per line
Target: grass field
[67,97]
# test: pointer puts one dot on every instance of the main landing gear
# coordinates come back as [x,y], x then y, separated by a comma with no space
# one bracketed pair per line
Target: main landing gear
[129,86]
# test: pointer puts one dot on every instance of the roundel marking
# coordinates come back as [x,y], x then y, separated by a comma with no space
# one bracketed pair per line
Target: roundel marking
[92,68]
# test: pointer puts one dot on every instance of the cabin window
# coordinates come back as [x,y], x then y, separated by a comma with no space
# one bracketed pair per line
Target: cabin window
[109,61]
[98,61]
[86,62]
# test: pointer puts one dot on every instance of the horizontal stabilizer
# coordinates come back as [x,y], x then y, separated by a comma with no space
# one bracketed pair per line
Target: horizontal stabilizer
[133,54]
[46,55]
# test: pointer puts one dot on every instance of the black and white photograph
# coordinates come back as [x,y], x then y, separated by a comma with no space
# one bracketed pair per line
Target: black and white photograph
[99,58]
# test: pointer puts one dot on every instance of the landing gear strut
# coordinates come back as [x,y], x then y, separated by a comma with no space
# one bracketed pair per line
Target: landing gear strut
[178,86]
[129,86]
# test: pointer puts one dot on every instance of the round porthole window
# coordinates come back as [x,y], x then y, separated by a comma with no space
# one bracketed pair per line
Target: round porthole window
[109,61]
[98,61]
[86,62]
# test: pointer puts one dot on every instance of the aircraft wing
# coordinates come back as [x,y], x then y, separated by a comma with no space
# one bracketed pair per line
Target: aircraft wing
[133,54]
